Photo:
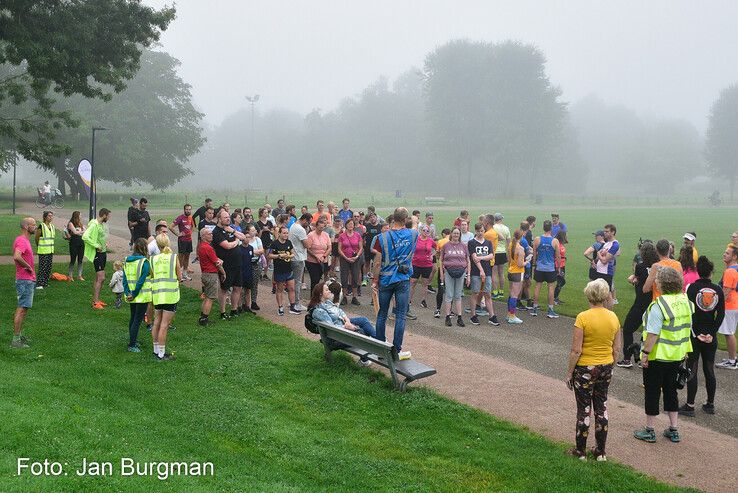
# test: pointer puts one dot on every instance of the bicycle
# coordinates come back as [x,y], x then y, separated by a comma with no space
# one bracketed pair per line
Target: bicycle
[56,200]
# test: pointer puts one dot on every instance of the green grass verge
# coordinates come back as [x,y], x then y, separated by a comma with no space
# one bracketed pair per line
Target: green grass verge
[258,402]
[10,228]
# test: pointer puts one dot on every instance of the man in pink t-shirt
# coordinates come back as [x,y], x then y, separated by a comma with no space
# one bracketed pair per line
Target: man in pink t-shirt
[25,279]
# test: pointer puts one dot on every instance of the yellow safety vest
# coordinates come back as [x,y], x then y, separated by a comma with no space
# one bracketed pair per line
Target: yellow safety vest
[133,272]
[674,340]
[46,241]
[164,285]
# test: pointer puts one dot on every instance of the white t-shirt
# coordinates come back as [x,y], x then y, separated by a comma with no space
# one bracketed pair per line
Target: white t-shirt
[296,236]
[153,248]
[503,235]
[466,237]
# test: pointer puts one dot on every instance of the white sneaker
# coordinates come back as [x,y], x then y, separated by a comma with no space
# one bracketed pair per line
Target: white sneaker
[727,364]
[514,320]
[39,287]
[403,355]
[299,307]
[365,363]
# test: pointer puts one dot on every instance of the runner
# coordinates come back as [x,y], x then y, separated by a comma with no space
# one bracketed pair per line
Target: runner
[561,276]
[318,251]
[441,291]
[132,210]
[334,231]
[25,279]
[515,274]
[689,270]
[709,313]
[503,245]
[45,236]
[282,253]
[591,253]
[199,214]
[345,213]
[211,269]
[455,270]
[280,209]
[431,226]
[730,289]
[557,225]
[321,212]
[185,224]
[166,275]
[96,248]
[247,265]
[225,243]
[208,221]
[605,265]
[463,216]
[137,290]
[290,211]
[75,230]
[528,275]
[425,251]
[466,235]
[139,219]
[350,250]
[258,251]
[480,253]
[545,258]
[298,238]
[373,229]
[663,248]
[689,239]
[392,272]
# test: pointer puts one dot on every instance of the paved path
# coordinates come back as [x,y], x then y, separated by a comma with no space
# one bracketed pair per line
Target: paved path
[515,372]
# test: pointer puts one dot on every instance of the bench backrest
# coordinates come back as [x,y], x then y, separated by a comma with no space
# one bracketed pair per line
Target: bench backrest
[355,339]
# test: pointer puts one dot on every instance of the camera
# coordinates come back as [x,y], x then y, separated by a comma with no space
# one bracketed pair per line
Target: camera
[403,268]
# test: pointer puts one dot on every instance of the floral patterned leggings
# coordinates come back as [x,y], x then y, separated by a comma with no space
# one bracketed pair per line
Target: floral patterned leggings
[590,389]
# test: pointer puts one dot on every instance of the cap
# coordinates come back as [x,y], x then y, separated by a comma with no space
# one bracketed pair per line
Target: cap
[428,214]
[689,236]
[599,232]
[554,214]
[499,217]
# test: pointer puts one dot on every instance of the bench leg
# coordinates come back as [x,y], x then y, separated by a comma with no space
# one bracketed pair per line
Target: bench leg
[403,386]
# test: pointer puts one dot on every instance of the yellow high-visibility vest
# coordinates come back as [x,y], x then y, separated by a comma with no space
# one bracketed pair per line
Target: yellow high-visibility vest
[674,340]
[133,272]
[46,241]
[164,285]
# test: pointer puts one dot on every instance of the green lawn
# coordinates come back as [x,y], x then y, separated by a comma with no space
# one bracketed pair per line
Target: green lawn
[10,228]
[258,402]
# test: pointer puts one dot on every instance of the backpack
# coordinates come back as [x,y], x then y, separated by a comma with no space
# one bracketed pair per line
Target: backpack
[309,324]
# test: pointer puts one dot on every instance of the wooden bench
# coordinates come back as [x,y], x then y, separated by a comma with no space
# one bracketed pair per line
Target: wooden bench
[435,200]
[370,349]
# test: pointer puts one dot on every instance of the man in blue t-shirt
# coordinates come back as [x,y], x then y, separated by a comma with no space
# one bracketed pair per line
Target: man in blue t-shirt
[557,225]
[392,271]
[345,213]
[605,265]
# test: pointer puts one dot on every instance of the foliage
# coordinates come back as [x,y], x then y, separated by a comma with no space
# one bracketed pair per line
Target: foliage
[721,145]
[49,46]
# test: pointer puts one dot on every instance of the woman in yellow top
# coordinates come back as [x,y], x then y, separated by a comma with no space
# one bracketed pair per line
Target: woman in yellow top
[593,351]
[515,275]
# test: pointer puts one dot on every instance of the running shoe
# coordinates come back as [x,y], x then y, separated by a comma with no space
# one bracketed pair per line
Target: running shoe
[534,311]
[686,410]
[514,320]
[448,321]
[254,306]
[294,310]
[460,322]
[599,456]
[467,310]
[578,454]
[437,314]
[645,434]
[166,357]
[530,305]
[423,304]
[225,316]
[410,315]
[103,303]
[39,287]
[493,320]
[708,407]
[280,311]
[98,306]
[625,363]
[363,283]
[203,321]
[355,301]
[18,345]
[474,320]
[134,349]
[672,434]
[344,301]
[431,289]
[552,314]
[727,364]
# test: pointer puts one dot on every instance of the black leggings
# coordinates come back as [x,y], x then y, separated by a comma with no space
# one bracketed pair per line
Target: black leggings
[707,351]
[138,310]
[316,272]
[350,274]
[560,281]
[440,292]
[632,321]
[76,255]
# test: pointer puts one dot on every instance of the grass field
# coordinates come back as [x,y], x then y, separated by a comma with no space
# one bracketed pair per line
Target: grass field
[10,228]
[259,403]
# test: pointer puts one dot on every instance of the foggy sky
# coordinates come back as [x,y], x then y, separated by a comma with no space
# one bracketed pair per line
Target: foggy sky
[664,58]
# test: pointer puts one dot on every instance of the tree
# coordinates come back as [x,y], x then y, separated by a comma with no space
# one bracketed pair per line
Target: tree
[154,129]
[86,47]
[721,145]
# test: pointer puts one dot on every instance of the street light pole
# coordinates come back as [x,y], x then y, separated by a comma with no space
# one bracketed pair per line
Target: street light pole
[252,100]
[93,187]
[15,163]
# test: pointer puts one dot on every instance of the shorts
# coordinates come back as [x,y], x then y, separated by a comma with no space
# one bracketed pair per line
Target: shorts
[500,258]
[233,278]
[515,276]
[334,249]
[167,307]
[424,272]
[184,246]
[101,258]
[210,284]
[247,280]
[729,322]
[539,276]
[606,277]
[25,288]
[476,284]
[283,277]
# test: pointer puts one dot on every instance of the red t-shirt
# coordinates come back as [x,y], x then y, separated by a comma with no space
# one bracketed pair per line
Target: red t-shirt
[23,244]
[208,259]
[185,225]
[424,252]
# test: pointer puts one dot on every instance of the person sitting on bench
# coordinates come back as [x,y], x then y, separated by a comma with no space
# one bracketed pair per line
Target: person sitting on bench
[325,299]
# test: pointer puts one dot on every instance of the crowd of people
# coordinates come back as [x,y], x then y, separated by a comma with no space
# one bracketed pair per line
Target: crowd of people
[400,257]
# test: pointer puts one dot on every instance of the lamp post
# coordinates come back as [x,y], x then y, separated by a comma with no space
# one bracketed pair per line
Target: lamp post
[93,188]
[15,163]
[252,100]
